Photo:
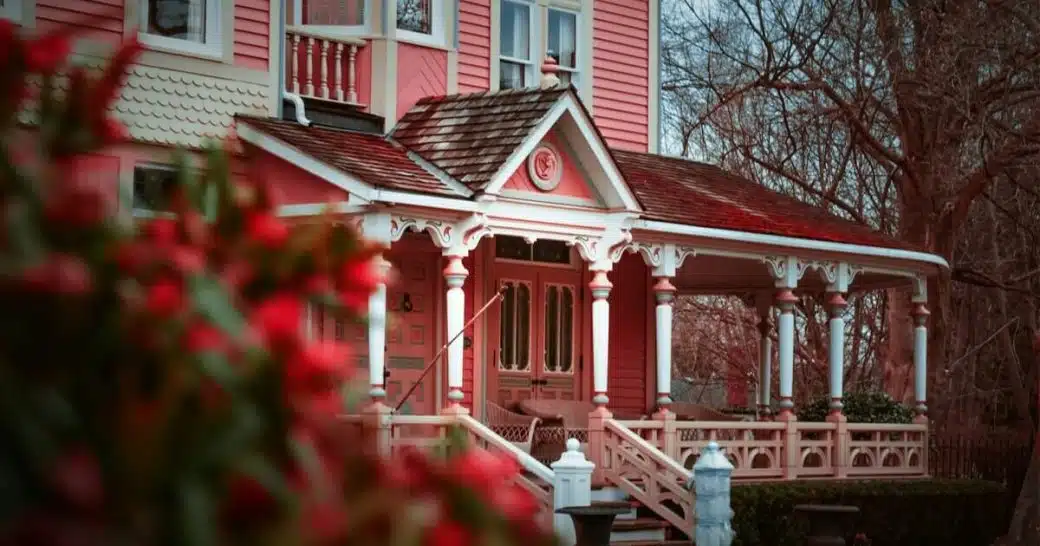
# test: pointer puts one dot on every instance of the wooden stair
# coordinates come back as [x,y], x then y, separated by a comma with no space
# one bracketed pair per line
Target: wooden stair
[641,526]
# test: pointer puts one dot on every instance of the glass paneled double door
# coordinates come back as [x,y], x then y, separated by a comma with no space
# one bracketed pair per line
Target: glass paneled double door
[538,350]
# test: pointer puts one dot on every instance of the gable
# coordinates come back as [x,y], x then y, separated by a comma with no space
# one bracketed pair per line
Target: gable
[550,173]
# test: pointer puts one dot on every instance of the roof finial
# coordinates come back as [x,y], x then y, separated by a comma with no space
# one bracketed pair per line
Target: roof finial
[549,70]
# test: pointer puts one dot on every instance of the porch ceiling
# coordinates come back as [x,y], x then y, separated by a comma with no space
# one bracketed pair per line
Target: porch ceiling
[707,274]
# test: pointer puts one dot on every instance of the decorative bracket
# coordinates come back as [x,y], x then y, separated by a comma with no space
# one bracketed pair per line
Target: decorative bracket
[664,258]
[604,251]
[920,289]
[786,270]
[837,275]
[456,239]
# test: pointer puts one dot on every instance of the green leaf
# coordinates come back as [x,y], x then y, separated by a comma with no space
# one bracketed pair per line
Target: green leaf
[216,366]
[264,472]
[213,302]
[235,437]
[197,514]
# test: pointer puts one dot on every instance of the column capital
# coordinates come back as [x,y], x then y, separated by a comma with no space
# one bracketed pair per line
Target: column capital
[785,300]
[664,258]
[836,304]
[664,291]
[600,285]
[920,314]
[837,275]
[455,272]
[603,251]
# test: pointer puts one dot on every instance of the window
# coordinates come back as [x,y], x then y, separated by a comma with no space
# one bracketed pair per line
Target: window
[516,69]
[559,328]
[514,346]
[544,251]
[563,43]
[191,26]
[153,187]
[420,20]
[523,44]
[332,15]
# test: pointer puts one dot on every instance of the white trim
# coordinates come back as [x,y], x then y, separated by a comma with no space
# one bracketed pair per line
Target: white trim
[599,150]
[304,161]
[524,195]
[14,10]
[212,46]
[790,242]
[317,209]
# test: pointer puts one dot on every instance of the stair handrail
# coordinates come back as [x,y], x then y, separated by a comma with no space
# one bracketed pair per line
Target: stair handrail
[525,460]
[648,449]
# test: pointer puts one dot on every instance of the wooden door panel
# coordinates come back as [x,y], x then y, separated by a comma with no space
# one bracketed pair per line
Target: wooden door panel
[411,332]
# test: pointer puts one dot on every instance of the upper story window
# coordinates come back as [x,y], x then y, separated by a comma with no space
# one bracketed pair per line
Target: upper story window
[192,26]
[420,20]
[332,15]
[528,33]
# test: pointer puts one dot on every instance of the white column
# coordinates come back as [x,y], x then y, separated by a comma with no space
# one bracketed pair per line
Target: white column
[455,304]
[377,333]
[600,286]
[836,309]
[765,363]
[920,316]
[785,300]
[665,295]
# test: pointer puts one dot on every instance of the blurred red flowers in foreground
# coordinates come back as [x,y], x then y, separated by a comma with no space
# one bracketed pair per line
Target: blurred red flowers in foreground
[155,383]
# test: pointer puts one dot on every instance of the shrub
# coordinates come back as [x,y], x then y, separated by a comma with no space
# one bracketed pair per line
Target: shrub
[861,407]
[892,513]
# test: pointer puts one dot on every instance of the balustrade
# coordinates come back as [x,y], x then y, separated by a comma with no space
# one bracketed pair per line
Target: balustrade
[321,66]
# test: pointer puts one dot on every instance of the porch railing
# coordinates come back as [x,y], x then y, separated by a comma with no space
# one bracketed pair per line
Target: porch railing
[777,450]
[322,66]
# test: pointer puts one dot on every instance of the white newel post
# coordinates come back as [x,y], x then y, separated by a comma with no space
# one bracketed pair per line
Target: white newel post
[664,292]
[572,486]
[836,310]
[455,304]
[600,287]
[711,484]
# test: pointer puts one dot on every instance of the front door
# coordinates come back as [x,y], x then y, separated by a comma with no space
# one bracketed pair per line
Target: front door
[537,325]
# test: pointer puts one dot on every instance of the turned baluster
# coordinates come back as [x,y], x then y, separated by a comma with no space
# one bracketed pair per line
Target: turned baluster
[352,75]
[339,71]
[296,63]
[325,69]
[310,66]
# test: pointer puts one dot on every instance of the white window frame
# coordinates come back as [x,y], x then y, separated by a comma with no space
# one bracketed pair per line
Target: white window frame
[575,73]
[437,34]
[212,48]
[13,10]
[533,63]
[335,30]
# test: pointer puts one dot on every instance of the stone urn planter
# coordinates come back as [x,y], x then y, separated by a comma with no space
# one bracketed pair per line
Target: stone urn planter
[827,523]
[592,524]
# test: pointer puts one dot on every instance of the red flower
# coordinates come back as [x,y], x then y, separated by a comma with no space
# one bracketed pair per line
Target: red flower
[266,229]
[447,533]
[162,231]
[77,479]
[278,320]
[130,257]
[316,366]
[514,502]
[202,336]
[48,52]
[110,83]
[248,500]
[482,470]
[112,131]
[359,278]
[76,205]
[60,274]
[165,297]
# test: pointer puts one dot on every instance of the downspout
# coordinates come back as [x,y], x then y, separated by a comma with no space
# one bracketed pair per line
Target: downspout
[301,114]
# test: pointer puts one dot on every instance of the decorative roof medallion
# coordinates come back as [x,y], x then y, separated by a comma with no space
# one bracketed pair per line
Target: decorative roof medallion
[545,167]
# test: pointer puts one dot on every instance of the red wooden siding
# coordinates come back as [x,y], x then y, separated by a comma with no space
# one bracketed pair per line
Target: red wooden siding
[474,45]
[99,19]
[627,381]
[421,72]
[252,33]
[620,57]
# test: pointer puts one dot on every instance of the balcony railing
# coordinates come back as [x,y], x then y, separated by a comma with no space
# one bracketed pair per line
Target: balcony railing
[320,66]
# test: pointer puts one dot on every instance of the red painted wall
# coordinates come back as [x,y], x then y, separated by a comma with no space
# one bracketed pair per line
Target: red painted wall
[289,183]
[252,33]
[621,72]
[627,380]
[421,72]
[474,45]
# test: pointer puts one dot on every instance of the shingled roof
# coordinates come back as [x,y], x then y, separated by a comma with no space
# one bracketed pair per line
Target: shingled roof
[370,158]
[470,136]
[691,193]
